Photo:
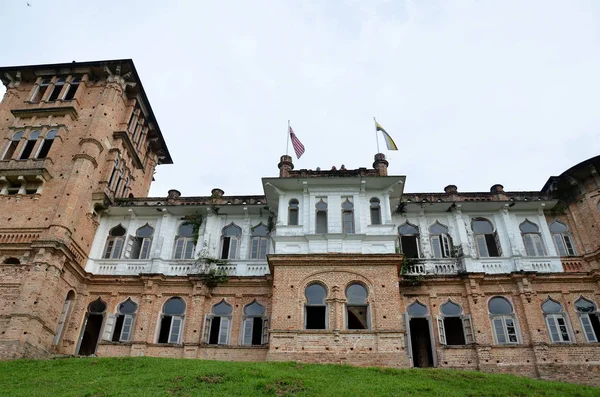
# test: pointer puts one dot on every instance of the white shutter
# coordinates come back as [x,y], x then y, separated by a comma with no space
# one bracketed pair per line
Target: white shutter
[224,331]
[128,248]
[175,331]
[247,331]
[587,328]
[446,246]
[468,329]
[109,327]
[265,330]
[407,340]
[497,239]
[126,330]
[441,330]
[206,329]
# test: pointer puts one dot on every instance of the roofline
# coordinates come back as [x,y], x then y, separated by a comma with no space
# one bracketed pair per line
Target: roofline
[591,160]
[168,159]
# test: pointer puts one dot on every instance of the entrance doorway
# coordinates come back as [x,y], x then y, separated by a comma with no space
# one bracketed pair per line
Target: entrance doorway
[419,335]
[92,325]
[421,343]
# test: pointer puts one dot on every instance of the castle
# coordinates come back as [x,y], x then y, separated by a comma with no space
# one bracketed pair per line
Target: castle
[328,266]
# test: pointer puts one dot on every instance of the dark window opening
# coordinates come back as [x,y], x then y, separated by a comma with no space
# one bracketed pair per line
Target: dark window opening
[12,261]
[490,240]
[455,334]
[27,150]
[357,317]
[215,327]
[70,94]
[595,320]
[165,327]
[91,333]
[31,190]
[257,331]
[13,189]
[409,246]
[10,151]
[55,93]
[118,328]
[315,317]
[421,343]
[39,93]
[225,250]
[45,148]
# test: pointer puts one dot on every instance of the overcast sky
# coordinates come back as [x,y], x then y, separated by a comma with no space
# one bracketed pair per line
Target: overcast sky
[473,92]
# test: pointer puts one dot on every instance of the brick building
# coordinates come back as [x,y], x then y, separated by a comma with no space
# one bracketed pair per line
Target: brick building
[336,266]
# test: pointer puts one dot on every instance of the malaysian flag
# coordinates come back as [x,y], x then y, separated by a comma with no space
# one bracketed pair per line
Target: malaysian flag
[298,146]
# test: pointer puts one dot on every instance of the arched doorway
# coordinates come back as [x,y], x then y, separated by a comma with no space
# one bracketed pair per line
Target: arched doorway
[92,325]
[419,335]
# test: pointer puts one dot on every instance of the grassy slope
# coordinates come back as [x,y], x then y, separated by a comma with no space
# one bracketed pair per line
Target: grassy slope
[170,377]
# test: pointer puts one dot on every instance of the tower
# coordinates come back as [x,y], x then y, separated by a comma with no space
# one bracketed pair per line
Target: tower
[74,138]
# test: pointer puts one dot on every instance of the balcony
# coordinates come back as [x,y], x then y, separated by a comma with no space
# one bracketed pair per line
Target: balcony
[132,267]
[574,264]
[29,167]
[45,109]
[438,267]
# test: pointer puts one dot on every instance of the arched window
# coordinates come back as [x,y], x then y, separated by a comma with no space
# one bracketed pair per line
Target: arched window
[348,216]
[62,319]
[418,335]
[454,328]
[230,241]
[11,260]
[171,321]
[417,309]
[562,239]
[142,242]
[503,321]
[184,242]
[532,239]
[486,239]
[29,145]
[12,146]
[114,242]
[218,324]
[409,240]
[321,217]
[255,325]
[58,86]
[441,243]
[71,89]
[556,321]
[589,318]
[119,326]
[315,309]
[293,212]
[90,330]
[375,211]
[114,172]
[120,180]
[40,91]
[259,242]
[46,144]
[357,307]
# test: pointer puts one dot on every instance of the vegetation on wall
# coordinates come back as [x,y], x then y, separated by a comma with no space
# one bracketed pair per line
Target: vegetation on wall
[210,269]
[195,221]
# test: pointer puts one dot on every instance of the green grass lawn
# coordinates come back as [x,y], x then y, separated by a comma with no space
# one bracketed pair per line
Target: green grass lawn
[146,376]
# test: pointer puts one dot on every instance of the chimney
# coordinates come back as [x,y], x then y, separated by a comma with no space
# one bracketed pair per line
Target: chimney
[451,189]
[217,193]
[173,194]
[285,166]
[497,189]
[381,164]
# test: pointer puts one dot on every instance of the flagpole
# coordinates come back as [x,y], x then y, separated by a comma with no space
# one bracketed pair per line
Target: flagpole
[287,145]
[376,136]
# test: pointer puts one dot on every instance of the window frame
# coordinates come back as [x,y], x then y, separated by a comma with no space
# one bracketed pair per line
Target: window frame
[535,239]
[503,318]
[466,322]
[417,237]
[565,238]
[114,240]
[259,239]
[375,204]
[246,320]
[324,304]
[295,210]
[208,324]
[237,238]
[324,216]
[486,238]
[13,144]
[587,315]
[174,317]
[366,305]
[185,242]
[128,321]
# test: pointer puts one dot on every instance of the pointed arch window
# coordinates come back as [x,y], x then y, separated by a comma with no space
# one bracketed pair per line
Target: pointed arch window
[357,307]
[217,326]
[259,242]
[46,144]
[454,328]
[375,209]
[62,319]
[29,145]
[321,217]
[504,321]
[486,238]
[556,322]
[532,239]
[142,242]
[119,326]
[12,146]
[409,240]
[562,239]
[441,242]
[589,318]
[255,325]
[115,242]
[230,241]
[348,216]
[184,242]
[315,308]
[293,212]
[171,321]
